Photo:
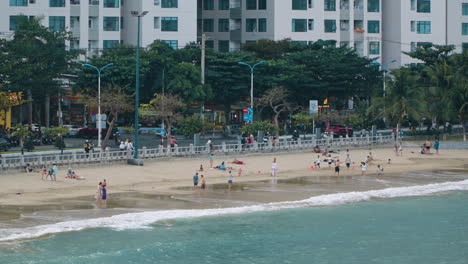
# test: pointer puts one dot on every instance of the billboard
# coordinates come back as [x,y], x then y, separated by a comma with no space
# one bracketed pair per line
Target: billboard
[313,107]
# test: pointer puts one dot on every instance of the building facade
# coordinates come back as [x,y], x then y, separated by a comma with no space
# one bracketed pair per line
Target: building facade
[411,23]
[101,24]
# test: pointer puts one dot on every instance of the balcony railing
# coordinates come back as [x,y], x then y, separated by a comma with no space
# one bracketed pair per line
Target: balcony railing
[93,2]
[74,2]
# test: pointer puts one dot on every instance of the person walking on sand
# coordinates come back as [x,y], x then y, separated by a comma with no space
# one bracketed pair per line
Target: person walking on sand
[230,180]
[195,180]
[211,160]
[43,172]
[348,162]
[202,182]
[330,161]
[400,150]
[54,172]
[337,167]
[436,146]
[318,161]
[380,170]
[274,168]
[363,169]
[239,172]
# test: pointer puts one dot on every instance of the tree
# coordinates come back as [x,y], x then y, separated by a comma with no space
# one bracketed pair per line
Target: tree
[185,81]
[253,128]
[9,100]
[21,132]
[57,133]
[403,100]
[167,107]
[276,99]
[114,101]
[431,54]
[304,118]
[190,125]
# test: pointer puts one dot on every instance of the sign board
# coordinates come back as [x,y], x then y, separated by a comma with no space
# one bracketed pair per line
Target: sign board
[248,114]
[313,107]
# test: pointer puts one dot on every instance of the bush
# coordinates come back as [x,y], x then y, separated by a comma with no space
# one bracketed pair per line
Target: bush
[256,126]
[190,125]
[28,145]
[60,143]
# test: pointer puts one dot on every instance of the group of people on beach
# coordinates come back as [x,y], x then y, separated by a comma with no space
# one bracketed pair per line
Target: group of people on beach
[101,195]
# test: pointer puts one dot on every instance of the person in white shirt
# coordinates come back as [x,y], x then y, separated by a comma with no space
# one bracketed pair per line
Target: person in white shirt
[318,161]
[130,145]
[274,168]
[122,146]
[363,169]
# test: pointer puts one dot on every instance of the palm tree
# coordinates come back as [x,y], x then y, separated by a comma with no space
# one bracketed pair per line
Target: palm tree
[457,96]
[404,99]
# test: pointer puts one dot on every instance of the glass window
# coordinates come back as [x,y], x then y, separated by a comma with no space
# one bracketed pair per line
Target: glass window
[209,44]
[464,29]
[413,5]
[250,25]
[109,44]
[223,4]
[330,5]
[169,24]
[373,6]
[172,43]
[93,2]
[299,25]
[56,3]
[310,24]
[465,47]
[169,4]
[223,45]
[251,4]
[14,20]
[157,22]
[413,26]
[208,25]
[262,25]
[299,4]
[311,3]
[111,3]
[373,26]
[208,4]
[57,23]
[465,9]
[18,2]
[424,6]
[111,24]
[330,26]
[223,25]
[423,27]
[374,47]
[262,4]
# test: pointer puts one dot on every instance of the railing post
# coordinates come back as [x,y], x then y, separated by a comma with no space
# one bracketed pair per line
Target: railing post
[299,142]
[224,147]
[368,139]
[255,145]
[169,150]
[341,140]
[161,149]
[144,152]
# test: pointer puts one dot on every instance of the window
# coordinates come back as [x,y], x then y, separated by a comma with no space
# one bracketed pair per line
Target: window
[208,25]
[299,4]
[330,5]
[208,4]
[262,4]
[94,2]
[373,26]
[465,47]
[413,26]
[251,4]
[424,6]
[169,4]
[464,29]
[172,43]
[299,25]
[121,22]
[415,45]
[374,47]
[344,25]
[465,9]
[111,3]
[169,24]
[423,27]
[223,45]
[262,25]
[223,4]
[413,5]
[57,23]
[223,25]
[209,44]
[18,2]
[109,44]
[330,26]
[310,24]
[57,3]
[373,5]
[250,25]
[156,2]
[157,22]
[14,21]
[111,24]
[311,3]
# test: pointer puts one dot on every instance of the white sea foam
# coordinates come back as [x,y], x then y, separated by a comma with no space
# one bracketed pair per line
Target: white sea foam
[145,219]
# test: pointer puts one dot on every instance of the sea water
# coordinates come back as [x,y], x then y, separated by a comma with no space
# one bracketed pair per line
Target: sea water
[383,226]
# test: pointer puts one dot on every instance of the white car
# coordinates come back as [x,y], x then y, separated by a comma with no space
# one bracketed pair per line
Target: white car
[72,130]
[34,127]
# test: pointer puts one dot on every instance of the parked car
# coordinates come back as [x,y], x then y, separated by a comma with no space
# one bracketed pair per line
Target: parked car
[35,127]
[339,130]
[4,144]
[91,132]
[72,130]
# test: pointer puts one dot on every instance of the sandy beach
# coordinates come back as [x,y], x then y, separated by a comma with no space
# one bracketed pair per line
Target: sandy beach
[174,176]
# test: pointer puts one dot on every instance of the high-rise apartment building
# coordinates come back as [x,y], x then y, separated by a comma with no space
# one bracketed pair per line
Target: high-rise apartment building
[101,24]
[355,23]
[411,23]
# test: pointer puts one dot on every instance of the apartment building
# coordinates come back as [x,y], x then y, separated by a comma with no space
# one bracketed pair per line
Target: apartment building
[411,23]
[101,24]
[355,23]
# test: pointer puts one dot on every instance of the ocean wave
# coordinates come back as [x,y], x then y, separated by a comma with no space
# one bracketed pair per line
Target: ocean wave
[145,219]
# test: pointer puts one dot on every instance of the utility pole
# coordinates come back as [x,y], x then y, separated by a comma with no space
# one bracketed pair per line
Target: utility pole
[203,56]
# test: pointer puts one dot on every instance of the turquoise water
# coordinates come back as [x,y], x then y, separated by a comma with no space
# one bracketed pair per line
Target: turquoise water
[429,229]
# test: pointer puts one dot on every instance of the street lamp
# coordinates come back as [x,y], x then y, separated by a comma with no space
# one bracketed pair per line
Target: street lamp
[384,67]
[252,68]
[139,15]
[99,70]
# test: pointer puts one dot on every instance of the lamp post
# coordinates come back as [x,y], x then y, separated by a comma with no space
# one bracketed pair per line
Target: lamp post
[139,15]
[99,70]
[252,68]
[384,67]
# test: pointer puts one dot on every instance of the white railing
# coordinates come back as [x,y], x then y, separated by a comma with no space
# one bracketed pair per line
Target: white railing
[19,161]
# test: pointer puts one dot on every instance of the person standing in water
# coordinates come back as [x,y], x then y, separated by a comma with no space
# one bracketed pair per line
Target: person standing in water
[230,178]
[104,196]
[211,160]
[274,168]
[202,182]
[98,195]
[195,180]
[337,167]
[363,169]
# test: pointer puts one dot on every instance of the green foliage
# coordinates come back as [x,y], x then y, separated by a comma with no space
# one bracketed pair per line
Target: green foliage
[304,118]
[431,54]
[28,144]
[55,131]
[256,126]
[59,143]
[185,81]
[190,125]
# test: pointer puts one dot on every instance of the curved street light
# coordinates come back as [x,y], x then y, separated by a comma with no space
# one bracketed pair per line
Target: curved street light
[252,68]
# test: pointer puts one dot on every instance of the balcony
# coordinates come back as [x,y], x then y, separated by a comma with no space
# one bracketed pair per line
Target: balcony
[74,2]
[235,35]
[235,13]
